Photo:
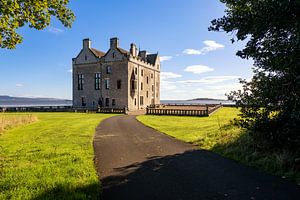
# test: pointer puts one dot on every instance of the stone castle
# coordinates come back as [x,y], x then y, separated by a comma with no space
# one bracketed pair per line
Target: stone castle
[115,79]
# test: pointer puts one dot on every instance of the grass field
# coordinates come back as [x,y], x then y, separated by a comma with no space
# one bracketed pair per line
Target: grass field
[51,158]
[14,120]
[217,134]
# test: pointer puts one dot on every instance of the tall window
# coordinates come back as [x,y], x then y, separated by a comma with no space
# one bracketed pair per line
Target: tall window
[151,75]
[108,69]
[147,94]
[119,82]
[152,88]
[83,101]
[107,102]
[113,102]
[97,81]
[135,101]
[135,71]
[107,84]
[141,100]
[133,84]
[142,72]
[80,81]
[141,86]
[147,79]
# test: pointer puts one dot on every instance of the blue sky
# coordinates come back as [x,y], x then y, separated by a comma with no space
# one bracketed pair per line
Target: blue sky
[196,62]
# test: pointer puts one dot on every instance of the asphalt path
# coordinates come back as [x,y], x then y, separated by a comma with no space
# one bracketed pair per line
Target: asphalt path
[137,162]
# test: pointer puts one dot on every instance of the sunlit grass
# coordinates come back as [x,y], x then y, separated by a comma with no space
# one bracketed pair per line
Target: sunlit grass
[216,133]
[8,121]
[51,158]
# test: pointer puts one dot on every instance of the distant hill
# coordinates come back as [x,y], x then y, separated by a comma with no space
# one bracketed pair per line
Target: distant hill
[207,99]
[27,101]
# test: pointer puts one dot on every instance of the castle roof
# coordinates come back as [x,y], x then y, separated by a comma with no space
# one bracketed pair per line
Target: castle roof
[151,58]
[123,51]
[97,52]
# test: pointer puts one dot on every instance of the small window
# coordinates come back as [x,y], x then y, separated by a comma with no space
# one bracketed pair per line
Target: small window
[83,101]
[141,86]
[135,71]
[147,80]
[151,75]
[85,57]
[141,100]
[135,101]
[147,94]
[80,81]
[119,83]
[142,72]
[157,95]
[97,81]
[106,102]
[108,70]
[107,84]
[152,88]
[113,55]
[113,102]
[157,66]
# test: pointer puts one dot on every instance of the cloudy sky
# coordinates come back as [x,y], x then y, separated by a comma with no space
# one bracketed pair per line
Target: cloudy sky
[195,62]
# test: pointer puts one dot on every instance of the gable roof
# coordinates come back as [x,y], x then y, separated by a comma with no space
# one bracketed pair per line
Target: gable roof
[151,58]
[123,51]
[97,52]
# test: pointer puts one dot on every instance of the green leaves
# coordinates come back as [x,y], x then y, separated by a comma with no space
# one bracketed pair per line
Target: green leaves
[15,14]
[272,31]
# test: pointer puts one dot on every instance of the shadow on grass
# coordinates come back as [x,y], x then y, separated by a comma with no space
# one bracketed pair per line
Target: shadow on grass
[64,192]
[195,174]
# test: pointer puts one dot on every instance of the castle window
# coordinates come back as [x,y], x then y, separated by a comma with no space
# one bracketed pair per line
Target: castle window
[141,86]
[119,83]
[135,101]
[83,101]
[157,66]
[141,100]
[113,102]
[106,101]
[97,81]
[133,84]
[135,71]
[147,80]
[113,55]
[152,88]
[80,81]
[157,94]
[85,57]
[147,94]
[107,84]
[142,72]
[108,70]
[151,75]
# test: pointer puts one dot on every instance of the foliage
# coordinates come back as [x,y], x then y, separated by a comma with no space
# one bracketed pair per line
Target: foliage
[270,102]
[37,14]
[217,133]
[51,158]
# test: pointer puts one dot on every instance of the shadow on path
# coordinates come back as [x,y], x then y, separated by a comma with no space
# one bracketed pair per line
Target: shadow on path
[195,174]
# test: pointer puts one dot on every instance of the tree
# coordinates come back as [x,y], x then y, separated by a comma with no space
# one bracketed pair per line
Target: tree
[15,14]
[270,102]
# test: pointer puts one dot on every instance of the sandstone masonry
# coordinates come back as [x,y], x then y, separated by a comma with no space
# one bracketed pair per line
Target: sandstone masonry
[115,79]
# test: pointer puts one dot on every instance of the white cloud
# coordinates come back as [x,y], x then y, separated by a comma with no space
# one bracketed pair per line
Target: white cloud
[165,58]
[198,69]
[211,79]
[168,75]
[70,70]
[210,45]
[168,85]
[19,85]
[55,30]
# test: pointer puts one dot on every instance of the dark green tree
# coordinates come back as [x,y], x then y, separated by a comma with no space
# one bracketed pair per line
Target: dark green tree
[270,102]
[35,13]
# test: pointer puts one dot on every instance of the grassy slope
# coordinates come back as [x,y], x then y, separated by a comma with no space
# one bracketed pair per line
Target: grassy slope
[50,159]
[217,134]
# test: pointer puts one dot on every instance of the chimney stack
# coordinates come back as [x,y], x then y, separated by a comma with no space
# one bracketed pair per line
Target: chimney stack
[86,43]
[114,42]
[133,50]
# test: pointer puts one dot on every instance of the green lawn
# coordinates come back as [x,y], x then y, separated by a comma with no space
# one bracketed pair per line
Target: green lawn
[217,134]
[51,158]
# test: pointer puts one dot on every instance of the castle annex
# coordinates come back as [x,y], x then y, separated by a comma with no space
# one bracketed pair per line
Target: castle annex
[115,79]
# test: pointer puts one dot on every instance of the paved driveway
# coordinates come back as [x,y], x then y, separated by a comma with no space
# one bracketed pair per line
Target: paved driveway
[137,162]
